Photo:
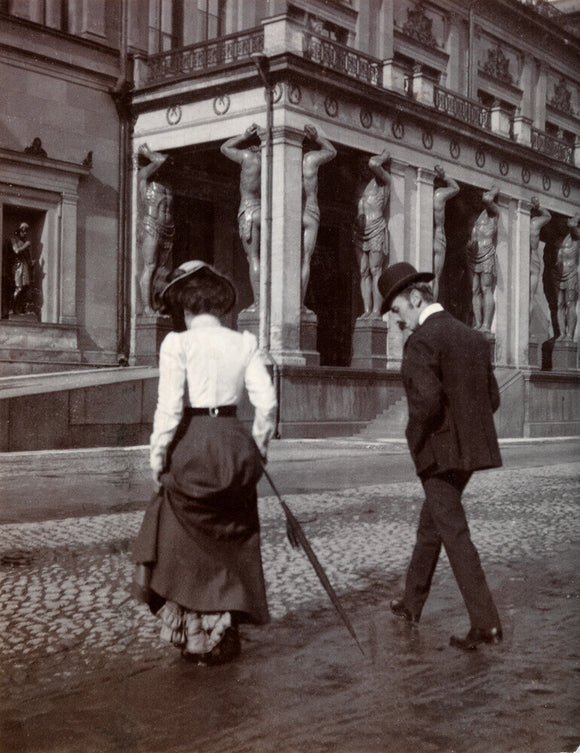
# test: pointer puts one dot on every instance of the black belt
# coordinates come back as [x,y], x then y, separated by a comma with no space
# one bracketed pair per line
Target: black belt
[219,410]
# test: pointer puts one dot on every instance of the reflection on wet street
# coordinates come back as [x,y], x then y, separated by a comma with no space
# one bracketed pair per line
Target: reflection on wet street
[84,669]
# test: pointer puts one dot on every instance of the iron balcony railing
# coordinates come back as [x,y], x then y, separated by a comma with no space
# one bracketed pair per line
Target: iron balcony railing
[198,59]
[552,146]
[461,108]
[340,58]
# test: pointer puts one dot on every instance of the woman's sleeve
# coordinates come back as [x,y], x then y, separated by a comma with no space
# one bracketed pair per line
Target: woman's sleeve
[262,395]
[172,380]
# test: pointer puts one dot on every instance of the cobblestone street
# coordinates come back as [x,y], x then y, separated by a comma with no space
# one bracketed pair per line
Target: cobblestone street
[84,669]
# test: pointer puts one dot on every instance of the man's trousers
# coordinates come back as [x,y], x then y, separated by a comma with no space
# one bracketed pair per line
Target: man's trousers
[443,521]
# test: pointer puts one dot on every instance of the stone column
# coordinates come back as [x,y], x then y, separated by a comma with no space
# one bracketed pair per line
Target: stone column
[396,230]
[287,344]
[507,287]
[526,349]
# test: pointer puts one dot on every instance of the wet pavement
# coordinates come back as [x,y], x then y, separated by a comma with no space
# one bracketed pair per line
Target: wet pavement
[84,670]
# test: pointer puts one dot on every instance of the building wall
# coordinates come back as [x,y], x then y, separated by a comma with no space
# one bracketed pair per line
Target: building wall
[57,89]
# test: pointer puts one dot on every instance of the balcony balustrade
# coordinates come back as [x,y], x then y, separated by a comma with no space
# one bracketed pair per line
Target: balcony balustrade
[200,59]
[340,58]
[459,107]
[552,146]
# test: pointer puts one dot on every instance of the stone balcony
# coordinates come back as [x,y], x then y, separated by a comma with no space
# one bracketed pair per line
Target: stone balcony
[280,35]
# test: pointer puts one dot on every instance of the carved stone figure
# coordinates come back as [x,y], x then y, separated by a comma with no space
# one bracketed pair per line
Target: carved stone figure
[323,152]
[370,233]
[481,257]
[36,148]
[538,218]
[248,155]
[566,279]
[440,197]
[23,267]
[157,227]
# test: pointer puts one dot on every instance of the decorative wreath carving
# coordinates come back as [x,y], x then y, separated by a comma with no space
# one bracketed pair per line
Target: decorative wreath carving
[366,118]
[331,107]
[173,114]
[294,94]
[221,104]
[398,128]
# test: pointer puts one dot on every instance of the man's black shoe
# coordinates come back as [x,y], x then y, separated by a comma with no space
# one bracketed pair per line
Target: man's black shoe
[476,636]
[399,609]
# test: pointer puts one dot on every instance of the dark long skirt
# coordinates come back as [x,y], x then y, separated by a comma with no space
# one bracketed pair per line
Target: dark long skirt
[200,537]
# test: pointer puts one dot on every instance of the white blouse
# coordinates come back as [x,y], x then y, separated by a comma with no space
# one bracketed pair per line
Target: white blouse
[206,366]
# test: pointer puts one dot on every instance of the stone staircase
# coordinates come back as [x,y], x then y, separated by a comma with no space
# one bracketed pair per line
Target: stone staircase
[390,424]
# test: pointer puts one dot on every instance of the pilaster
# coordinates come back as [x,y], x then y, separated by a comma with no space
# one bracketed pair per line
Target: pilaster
[505,323]
[68,264]
[285,319]
[397,237]
[539,113]
[422,246]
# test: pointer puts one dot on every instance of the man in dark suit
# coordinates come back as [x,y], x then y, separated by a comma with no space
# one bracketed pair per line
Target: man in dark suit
[452,395]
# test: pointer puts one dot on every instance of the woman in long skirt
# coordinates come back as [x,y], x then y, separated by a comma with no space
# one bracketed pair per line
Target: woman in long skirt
[198,551]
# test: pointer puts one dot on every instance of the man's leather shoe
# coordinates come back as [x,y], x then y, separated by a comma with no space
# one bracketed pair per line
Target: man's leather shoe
[399,609]
[475,637]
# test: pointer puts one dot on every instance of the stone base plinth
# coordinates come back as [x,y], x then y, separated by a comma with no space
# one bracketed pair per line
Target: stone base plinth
[149,334]
[535,354]
[490,337]
[564,355]
[369,344]
[249,321]
[308,335]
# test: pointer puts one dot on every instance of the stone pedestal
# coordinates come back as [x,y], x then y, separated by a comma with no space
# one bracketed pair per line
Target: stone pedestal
[490,337]
[564,355]
[535,354]
[249,321]
[150,332]
[308,334]
[369,344]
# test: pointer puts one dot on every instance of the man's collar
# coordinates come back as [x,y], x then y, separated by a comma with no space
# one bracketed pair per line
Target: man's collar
[432,308]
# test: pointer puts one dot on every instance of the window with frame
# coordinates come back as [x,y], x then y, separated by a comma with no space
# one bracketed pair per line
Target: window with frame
[210,18]
[165,25]
[56,14]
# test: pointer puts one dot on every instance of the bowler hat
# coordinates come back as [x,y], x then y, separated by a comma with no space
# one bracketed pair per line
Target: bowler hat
[396,278]
[190,268]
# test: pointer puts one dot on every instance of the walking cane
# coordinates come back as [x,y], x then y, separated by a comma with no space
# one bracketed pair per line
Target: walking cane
[298,539]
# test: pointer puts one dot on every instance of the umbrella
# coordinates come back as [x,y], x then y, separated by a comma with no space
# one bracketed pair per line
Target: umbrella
[297,538]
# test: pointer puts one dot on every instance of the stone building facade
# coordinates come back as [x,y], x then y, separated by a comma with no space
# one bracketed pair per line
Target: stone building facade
[484,94]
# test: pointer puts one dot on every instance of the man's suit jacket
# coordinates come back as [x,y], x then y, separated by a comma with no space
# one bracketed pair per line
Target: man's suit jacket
[452,395]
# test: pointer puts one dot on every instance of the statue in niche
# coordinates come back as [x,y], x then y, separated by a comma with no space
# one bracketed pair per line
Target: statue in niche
[481,259]
[566,280]
[157,228]
[538,218]
[441,196]
[370,233]
[22,270]
[240,149]
[321,153]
